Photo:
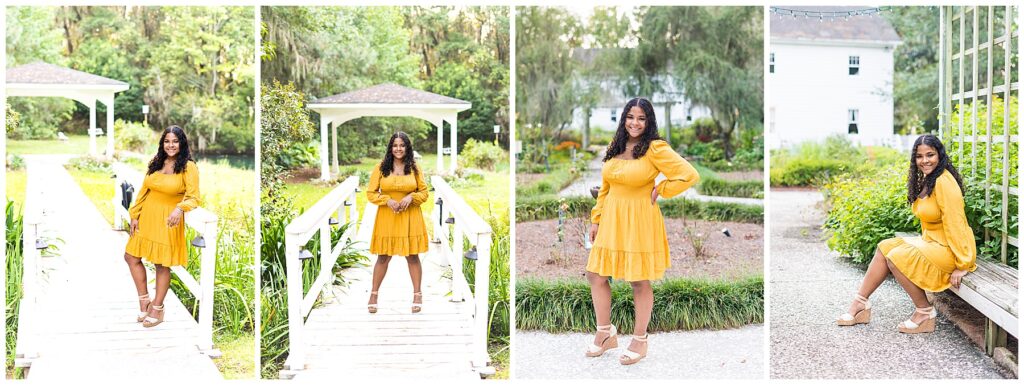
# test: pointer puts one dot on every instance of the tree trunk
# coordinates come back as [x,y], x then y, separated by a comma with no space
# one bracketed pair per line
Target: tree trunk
[668,123]
[586,127]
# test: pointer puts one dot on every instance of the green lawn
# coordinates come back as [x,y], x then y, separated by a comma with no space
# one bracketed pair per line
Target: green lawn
[16,186]
[76,144]
[238,354]
[490,197]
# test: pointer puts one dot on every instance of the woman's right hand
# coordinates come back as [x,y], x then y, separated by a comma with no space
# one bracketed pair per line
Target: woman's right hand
[393,204]
[593,232]
[133,227]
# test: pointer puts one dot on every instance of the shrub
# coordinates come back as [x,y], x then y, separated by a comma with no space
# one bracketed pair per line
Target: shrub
[865,210]
[808,172]
[15,162]
[133,136]
[12,118]
[683,304]
[300,155]
[90,163]
[482,155]
[728,188]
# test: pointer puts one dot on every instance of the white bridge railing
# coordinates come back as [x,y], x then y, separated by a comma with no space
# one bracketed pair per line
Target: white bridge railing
[204,223]
[33,242]
[328,211]
[453,218]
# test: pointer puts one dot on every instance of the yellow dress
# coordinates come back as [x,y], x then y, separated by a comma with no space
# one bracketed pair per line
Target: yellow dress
[403,233]
[631,243]
[946,242]
[160,194]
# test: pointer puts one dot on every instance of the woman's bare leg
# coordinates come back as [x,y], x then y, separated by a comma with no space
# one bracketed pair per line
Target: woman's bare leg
[601,294]
[138,271]
[916,293]
[416,274]
[163,283]
[643,304]
[380,269]
[878,270]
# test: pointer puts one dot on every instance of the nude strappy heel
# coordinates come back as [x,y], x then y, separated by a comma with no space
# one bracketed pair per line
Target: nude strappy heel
[372,307]
[862,317]
[630,357]
[153,321]
[609,342]
[416,307]
[926,326]
[142,314]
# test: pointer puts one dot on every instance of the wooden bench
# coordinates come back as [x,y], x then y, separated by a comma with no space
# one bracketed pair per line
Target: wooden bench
[992,290]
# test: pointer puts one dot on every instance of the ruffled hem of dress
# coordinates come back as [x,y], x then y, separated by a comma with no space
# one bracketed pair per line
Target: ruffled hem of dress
[912,263]
[628,266]
[157,253]
[399,246]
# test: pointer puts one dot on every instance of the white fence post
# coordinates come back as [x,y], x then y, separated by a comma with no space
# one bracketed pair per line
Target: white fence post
[208,272]
[481,297]
[293,270]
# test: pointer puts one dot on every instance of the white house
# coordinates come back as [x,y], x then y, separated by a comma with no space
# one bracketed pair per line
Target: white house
[831,77]
[605,115]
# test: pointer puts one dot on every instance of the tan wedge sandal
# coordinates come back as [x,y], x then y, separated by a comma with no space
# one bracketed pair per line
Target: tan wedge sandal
[372,307]
[630,357]
[862,317]
[416,307]
[142,314]
[153,321]
[926,326]
[608,343]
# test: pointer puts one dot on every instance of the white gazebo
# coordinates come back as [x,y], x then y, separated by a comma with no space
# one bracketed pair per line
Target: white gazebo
[44,79]
[388,100]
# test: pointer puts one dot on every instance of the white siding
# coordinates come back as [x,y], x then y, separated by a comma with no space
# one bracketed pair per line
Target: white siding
[812,92]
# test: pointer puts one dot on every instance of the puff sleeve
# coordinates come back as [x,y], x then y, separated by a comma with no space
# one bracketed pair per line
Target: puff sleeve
[595,213]
[958,233]
[191,199]
[421,194]
[679,174]
[136,210]
[373,194]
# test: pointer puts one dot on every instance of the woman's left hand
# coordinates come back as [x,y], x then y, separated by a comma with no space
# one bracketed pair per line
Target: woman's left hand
[405,202]
[654,195]
[956,277]
[175,218]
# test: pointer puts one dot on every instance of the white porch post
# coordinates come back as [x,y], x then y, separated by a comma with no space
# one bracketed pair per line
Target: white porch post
[324,173]
[334,147]
[110,127]
[92,128]
[440,144]
[455,145]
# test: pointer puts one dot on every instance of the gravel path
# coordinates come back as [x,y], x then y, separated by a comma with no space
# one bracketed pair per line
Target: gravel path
[708,354]
[592,177]
[811,286]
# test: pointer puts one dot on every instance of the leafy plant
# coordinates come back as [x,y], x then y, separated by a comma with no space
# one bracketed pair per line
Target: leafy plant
[864,210]
[481,154]
[132,136]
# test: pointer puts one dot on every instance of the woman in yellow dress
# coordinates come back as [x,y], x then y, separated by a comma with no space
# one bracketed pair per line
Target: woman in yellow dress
[936,260]
[169,190]
[628,230]
[397,186]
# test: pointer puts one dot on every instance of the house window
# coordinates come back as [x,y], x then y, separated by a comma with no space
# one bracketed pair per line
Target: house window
[612,110]
[852,128]
[854,65]
[771,63]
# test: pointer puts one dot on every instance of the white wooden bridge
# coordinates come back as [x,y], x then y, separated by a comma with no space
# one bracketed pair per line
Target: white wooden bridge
[340,339]
[77,317]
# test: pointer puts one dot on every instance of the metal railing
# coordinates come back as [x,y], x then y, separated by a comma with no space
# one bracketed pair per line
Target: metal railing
[204,222]
[453,218]
[327,212]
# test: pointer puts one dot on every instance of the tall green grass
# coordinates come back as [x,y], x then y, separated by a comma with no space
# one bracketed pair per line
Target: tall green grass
[679,304]
[15,226]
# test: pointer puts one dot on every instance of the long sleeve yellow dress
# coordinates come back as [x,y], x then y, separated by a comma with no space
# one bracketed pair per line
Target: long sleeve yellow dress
[631,243]
[403,233]
[946,242]
[162,193]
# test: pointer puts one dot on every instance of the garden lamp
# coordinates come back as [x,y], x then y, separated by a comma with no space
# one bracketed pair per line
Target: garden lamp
[305,254]
[41,243]
[199,242]
[332,221]
[471,254]
[726,232]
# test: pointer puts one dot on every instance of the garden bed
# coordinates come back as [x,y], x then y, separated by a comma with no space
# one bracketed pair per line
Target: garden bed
[539,255]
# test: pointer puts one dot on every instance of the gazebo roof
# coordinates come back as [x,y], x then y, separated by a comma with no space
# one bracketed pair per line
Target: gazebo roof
[390,93]
[40,73]
[857,28]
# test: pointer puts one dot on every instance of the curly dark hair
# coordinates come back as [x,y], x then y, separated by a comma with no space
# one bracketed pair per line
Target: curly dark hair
[388,165]
[917,182]
[184,154]
[618,144]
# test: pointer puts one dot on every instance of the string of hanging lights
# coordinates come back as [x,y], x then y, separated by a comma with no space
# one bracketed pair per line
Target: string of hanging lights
[827,15]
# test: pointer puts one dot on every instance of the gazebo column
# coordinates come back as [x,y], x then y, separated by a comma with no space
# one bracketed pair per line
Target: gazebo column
[455,146]
[110,127]
[92,128]
[334,147]
[324,172]
[440,144]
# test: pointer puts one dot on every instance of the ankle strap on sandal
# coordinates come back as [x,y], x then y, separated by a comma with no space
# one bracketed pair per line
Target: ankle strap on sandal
[641,338]
[144,296]
[605,328]
[925,310]
[861,299]
[158,307]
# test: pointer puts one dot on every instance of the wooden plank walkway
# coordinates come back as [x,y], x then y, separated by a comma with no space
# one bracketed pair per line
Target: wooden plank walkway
[346,341]
[84,325]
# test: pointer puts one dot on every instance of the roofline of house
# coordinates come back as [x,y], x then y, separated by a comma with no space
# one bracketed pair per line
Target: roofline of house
[61,86]
[421,106]
[838,42]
